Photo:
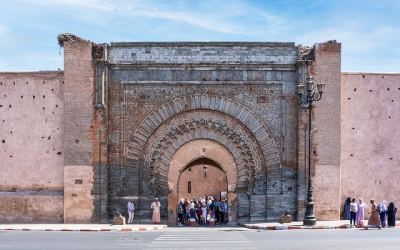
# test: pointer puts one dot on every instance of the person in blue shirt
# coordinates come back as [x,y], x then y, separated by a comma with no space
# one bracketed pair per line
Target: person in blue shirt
[224,211]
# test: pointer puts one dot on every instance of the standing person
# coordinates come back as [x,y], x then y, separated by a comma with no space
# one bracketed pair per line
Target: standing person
[391,214]
[194,206]
[360,212]
[374,219]
[131,210]
[217,212]
[221,213]
[183,211]
[382,213]
[188,206]
[155,206]
[204,213]
[200,211]
[180,213]
[225,211]
[346,209]
[353,212]
[212,209]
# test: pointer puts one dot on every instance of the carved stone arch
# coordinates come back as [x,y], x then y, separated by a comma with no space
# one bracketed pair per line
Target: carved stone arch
[234,108]
[201,124]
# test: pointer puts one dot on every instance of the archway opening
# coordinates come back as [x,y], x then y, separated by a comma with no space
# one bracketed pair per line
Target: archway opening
[203,178]
[193,153]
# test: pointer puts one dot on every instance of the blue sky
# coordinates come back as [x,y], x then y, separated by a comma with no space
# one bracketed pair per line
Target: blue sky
[369,30]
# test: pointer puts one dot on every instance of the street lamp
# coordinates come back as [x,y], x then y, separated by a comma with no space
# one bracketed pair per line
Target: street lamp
[307,96]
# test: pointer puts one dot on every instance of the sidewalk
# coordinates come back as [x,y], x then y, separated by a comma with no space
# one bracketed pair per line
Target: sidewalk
[81,227]
[339,224]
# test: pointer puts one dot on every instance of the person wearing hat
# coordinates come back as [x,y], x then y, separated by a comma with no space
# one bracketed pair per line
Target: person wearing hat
[131,210]
[155,206]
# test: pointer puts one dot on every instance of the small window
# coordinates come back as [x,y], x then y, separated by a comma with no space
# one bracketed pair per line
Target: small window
[189,187]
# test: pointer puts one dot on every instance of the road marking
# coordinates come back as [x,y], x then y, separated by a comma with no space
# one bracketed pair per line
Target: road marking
[231,240]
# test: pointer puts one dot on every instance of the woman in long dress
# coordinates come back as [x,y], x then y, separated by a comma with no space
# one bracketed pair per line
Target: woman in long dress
[391,213]
[360,212]
[346,209]
[155,206]
[383,213]
[374,219]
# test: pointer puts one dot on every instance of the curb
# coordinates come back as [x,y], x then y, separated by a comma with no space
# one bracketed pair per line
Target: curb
[135,229]
[299,227]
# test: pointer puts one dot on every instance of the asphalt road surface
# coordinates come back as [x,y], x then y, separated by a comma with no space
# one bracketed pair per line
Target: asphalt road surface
[206,238]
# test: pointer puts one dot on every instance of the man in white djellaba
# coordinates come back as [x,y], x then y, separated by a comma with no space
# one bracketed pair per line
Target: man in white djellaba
[131,211]
[155,206]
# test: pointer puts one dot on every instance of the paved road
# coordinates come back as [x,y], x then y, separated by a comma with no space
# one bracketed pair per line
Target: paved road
[206,238]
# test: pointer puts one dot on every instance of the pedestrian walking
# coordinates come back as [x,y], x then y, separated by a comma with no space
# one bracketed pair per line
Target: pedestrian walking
[374,219]
[382,213]
[360,212]
[353,212]
[346,209]
[155,206]
[391,213]
[131,211]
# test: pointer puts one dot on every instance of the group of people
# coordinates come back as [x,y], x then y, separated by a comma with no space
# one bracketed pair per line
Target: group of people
[155,207]
[380,213]
[202,211]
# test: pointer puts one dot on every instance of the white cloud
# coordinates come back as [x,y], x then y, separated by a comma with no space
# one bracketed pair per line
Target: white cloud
[225,17]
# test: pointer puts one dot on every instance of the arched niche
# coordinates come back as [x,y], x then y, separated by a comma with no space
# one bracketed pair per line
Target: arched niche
[193,150]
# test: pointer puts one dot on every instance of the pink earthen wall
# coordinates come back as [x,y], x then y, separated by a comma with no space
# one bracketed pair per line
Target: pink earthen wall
[370,148]
[31,146]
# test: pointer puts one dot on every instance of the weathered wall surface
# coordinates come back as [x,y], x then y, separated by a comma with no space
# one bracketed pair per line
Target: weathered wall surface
[78,187]
[31,146]
[152,83]
[326,132]
[78,122]
[370,137]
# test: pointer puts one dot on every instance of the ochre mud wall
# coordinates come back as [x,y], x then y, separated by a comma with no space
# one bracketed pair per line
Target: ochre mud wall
[31,146]
[370,137]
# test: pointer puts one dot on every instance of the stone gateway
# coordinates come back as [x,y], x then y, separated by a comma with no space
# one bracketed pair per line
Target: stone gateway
[181,120]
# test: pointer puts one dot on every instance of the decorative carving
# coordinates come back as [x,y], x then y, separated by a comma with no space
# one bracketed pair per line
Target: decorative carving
[162,144]
[262,99]
[213,115]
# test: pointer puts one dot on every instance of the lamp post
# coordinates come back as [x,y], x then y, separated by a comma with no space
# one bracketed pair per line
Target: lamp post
[307,96]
